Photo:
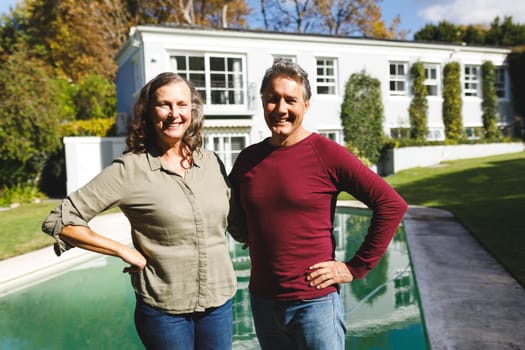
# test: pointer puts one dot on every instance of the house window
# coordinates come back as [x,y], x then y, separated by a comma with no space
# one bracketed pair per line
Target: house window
[398,78]
[219,79]
[400,133]
[334,135]
[436,134]
[226,146]
[500,82]
[286,58]
[326,81]
[471,81]
[473,132]
[431,79]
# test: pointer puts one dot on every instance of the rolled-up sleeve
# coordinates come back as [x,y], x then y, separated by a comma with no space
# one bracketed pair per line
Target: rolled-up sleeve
[63,215]
[101,193]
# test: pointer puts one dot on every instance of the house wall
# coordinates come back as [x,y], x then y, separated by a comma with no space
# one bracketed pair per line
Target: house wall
[156,44]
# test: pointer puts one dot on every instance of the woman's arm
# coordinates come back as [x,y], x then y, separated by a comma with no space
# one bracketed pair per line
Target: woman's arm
[85,238]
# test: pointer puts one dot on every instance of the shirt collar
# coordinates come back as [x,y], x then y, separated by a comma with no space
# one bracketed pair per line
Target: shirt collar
[156,164]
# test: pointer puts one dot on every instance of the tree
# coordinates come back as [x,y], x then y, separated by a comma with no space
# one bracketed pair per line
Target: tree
[443,31]
[29,118]
[506,33]
[362,115]
[474,35]
[418,109]
[516,61]
[452,102]
[337,17]
[95,97]
[213,13]
[489,104]
[499,33]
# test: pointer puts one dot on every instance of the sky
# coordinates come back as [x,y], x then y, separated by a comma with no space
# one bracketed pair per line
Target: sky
[416,13]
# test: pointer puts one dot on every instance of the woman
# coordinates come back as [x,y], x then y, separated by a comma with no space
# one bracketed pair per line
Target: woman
[176,199]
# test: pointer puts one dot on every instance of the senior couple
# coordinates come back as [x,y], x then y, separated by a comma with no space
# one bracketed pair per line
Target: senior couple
[279,199]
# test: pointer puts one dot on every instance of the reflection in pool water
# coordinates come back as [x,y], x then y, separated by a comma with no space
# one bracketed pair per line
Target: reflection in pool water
[91,306]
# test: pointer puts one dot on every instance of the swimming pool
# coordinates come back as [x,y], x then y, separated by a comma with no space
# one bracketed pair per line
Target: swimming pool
[91,305]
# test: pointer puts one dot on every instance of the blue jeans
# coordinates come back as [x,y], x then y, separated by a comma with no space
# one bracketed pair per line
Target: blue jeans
[207,330]
[316,324]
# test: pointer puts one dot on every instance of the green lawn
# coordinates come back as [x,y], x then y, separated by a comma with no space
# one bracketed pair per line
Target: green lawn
[20,229]
[486,194]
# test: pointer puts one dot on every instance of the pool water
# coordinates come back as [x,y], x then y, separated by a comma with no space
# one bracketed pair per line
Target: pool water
[91,305]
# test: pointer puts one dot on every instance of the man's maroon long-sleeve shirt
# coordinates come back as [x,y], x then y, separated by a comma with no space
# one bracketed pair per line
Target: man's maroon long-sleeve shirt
[288,195]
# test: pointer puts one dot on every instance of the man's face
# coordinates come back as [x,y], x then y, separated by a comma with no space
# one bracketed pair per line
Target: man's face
[284,108]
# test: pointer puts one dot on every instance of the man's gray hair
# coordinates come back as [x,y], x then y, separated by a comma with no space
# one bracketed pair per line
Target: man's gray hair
[288,69]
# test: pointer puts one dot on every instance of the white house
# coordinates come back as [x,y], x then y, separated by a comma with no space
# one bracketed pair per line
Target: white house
[227,66]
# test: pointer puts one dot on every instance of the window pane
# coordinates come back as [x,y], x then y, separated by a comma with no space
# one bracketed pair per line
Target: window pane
[218,97]
[234,64]
[198,80]
[217,63]
[218,81]
[322,90]
[181,62]
[432,90]
[238,143]
[196,63]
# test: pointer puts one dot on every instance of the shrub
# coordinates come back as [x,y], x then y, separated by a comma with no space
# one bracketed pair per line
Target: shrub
[95,98]
[489,104]
[452,118]
[92,127]
[362,115]
[20,193]
[30,113]
[418,109]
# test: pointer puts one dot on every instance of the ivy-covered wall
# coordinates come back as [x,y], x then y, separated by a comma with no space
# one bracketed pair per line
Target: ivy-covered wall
[362,115]
[489,104]
[452,117]
[418,110]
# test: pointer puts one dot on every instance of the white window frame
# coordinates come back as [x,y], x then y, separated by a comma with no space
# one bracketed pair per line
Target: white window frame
[333,134]
[471,80]
[472,132]
[235,87]
[501,82]
[436,134]
[326,76]
[288,58]
[397,78]
[432,81]
[223,148]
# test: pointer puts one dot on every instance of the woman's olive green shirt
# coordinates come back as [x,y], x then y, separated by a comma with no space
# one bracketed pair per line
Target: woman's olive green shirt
[178,224]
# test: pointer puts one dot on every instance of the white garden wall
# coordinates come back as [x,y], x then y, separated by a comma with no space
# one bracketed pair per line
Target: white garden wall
[411,157]
[87,156]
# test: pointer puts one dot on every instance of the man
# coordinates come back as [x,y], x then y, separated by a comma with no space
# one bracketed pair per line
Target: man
[287,186]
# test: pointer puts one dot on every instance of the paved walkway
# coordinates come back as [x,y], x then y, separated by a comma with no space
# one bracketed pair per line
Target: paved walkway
[469,301]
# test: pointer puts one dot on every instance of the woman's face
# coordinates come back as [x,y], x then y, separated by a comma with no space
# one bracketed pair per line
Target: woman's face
[172,112]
